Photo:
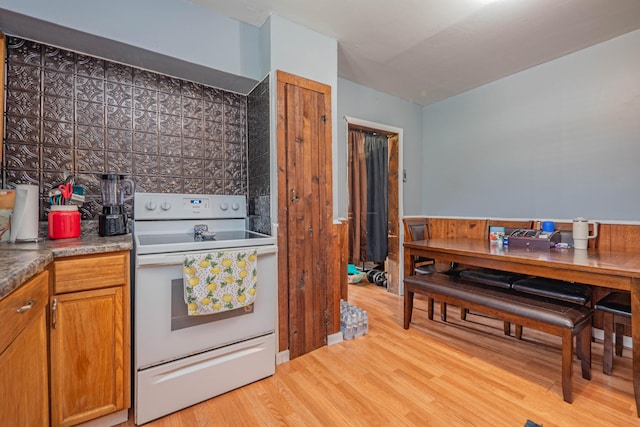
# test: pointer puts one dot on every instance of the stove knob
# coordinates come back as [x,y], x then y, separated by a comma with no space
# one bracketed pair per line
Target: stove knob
[235,206]
[151,205]
[165,206]
[224,206]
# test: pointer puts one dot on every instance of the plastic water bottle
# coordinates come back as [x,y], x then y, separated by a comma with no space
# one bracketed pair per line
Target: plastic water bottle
[365,322]
[354,322]
[358,324]
[345,323]
[348,327]
[343,326]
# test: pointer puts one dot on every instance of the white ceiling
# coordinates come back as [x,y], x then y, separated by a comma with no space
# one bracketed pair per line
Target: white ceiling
[428,50]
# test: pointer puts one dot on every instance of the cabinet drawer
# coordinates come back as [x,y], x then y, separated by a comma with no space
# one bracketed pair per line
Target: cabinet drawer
[16,310]
[91,272]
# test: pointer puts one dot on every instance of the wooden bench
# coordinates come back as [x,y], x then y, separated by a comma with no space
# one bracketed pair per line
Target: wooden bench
[559,318]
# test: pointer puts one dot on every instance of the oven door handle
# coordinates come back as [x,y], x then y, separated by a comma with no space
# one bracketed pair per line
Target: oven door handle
[174,259]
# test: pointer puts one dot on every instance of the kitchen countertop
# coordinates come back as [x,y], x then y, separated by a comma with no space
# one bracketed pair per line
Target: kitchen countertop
[20,261]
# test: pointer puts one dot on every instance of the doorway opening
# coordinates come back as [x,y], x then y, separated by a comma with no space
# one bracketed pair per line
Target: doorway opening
[357,130]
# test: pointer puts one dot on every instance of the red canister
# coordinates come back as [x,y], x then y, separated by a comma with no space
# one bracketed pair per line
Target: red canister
[64,222]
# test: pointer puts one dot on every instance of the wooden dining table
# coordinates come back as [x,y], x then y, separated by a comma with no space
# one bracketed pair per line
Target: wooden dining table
[609,269]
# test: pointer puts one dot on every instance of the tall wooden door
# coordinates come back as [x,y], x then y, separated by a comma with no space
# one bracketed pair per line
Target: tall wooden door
[305,213]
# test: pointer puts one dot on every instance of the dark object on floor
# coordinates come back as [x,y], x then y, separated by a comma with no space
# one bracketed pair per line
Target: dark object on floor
[530,423]
[377,275]
[380,278]
[370,275]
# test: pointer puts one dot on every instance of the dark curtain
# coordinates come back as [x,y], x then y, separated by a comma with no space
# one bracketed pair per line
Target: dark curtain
[357,178]
[377,159]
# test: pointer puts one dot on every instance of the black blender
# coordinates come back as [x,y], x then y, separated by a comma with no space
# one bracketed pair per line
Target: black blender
[114,219]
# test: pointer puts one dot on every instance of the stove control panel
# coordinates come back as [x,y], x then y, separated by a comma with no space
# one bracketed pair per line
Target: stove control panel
[150,206]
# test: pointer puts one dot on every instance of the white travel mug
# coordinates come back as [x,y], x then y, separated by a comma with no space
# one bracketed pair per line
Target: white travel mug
[581,232]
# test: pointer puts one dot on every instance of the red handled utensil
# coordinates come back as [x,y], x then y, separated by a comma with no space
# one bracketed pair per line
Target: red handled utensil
[66,190]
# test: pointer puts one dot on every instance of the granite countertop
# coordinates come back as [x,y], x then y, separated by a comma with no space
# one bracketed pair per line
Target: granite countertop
[20,261]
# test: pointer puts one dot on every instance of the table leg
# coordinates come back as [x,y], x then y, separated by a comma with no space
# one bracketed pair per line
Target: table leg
[635,343]
[408,307]
[408,264]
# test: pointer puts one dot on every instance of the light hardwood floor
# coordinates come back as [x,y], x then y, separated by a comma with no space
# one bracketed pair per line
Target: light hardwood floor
[434,374]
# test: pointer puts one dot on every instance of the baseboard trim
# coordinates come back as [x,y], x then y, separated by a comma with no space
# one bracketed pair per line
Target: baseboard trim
[114,419]
[334,338]
[282,357]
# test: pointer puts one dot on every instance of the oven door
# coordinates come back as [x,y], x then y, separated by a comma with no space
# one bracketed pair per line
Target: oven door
[162,330]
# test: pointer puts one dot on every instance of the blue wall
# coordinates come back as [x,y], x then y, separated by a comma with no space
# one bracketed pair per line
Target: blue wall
[363,103]
[556,141]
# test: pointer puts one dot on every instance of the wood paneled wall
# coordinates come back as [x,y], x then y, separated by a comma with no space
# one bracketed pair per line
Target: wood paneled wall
[615,237]
[442,228]
[337,285]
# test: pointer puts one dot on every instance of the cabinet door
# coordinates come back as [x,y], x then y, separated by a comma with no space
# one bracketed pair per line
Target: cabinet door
[23,377]
[87,355]
[24,386]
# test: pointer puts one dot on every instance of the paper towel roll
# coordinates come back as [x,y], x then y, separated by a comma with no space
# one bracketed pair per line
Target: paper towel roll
[24,220]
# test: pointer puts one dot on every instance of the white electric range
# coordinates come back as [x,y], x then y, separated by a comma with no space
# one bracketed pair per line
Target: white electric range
[180,360]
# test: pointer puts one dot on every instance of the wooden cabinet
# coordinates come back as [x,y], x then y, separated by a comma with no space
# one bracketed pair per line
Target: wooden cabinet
[23,355]
[90,337]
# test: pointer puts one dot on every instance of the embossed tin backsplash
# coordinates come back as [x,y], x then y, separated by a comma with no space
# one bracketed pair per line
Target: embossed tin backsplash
[259,155]
[71,112]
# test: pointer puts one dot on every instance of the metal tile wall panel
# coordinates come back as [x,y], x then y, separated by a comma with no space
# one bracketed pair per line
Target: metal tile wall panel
[73,113]
[259,158]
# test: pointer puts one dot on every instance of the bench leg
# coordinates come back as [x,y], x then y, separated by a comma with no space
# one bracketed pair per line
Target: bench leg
[619,336]
[443,311]
[519,332]
[567,359]
[583,344]
[408,307]
[607,357]
[463,313]
[507,328]
[430,308]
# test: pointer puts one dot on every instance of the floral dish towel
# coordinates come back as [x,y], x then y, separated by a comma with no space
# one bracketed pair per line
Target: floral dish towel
[220,281]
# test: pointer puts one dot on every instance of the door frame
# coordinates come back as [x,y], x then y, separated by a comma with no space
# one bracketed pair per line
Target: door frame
[399,131]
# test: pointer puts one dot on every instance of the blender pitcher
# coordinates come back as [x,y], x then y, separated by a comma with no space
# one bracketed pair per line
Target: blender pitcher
[114,220]
[113,188]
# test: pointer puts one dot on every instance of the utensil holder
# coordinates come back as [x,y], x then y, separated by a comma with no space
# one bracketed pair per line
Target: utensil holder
[64,222]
